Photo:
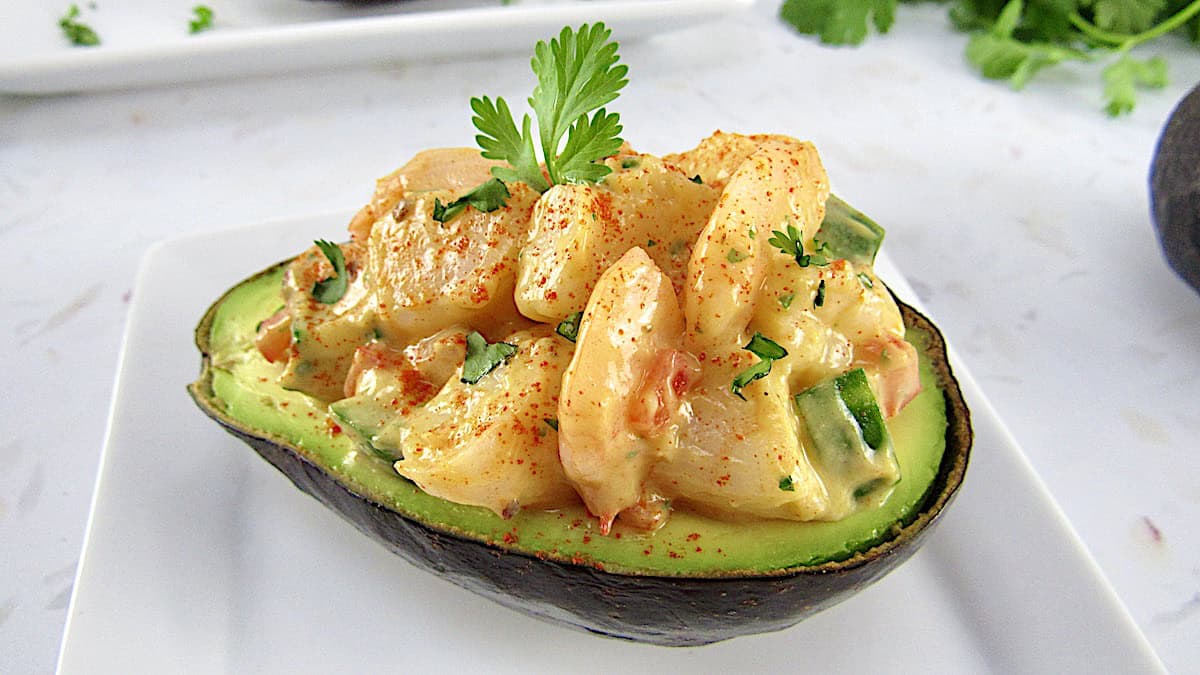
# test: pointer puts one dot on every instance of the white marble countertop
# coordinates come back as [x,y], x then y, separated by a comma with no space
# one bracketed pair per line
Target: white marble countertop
[1020,218]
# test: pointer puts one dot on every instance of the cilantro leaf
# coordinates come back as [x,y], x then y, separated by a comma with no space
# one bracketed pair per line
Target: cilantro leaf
[787,484]
[790,242]
[569,327]
[1000,56]
[1126,16]
[839,22]
[787,241]
[589,140]
[80,34]
[501,140]
[1123,76]
[819,298]
[577,74]
[487,196]
[203,19]
[755,372]
[483,358]
[332,289]
[765,349]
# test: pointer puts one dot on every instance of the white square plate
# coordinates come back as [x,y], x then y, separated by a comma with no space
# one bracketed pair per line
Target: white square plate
[201,558]
[146,42]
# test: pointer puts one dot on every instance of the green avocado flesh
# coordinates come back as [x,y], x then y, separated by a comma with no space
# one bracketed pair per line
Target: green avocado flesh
[243,387]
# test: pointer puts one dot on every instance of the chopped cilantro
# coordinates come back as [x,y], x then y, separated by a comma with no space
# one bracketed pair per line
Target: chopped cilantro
[757,371]
[483,358]
[787,484]
[865,280]
[790,242]
[569,327]
[551,422]
[786,299]
[577,73]
[735,256]
[202,19]
[80,34]
[697,179]
[765,349]
[331,290]
[631,163]
[487,196]
[650,243]
[819,299]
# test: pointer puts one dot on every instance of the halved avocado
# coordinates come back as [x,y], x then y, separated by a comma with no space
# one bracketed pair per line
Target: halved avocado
[1175,189]
[695,581]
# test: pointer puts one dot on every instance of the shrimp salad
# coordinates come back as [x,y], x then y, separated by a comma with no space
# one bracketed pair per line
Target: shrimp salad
[700,331]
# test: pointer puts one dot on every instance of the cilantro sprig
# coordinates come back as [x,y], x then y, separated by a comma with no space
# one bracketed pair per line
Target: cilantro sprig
[791,242]
[577,75]
[329,291]
[768,351]
[1014,40]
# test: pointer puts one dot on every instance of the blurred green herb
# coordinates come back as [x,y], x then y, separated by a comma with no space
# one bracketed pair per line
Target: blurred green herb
[80,34]
[1013,40]
[202,19]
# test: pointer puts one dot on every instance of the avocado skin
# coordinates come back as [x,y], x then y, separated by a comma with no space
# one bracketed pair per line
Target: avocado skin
[1175,189]
[661,610]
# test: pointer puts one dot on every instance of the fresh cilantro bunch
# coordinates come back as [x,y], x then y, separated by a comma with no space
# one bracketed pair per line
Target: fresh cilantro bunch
[577,74]
[1014,39]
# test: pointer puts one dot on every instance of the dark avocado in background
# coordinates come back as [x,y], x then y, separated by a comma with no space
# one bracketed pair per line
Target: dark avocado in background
[694,582]
[1175,189]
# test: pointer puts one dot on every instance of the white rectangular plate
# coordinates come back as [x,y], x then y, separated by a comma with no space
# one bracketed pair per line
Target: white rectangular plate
[200,557]
[146,42]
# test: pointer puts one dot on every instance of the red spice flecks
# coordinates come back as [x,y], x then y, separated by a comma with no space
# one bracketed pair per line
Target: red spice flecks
[604,206]
[587,538]
[693,536]
[723,480]
[674,555]
[510,538]
[334,427]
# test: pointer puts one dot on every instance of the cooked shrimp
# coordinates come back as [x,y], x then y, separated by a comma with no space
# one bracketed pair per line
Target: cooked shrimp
[453,169]
[781,183]
[429,275]
[611,404]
